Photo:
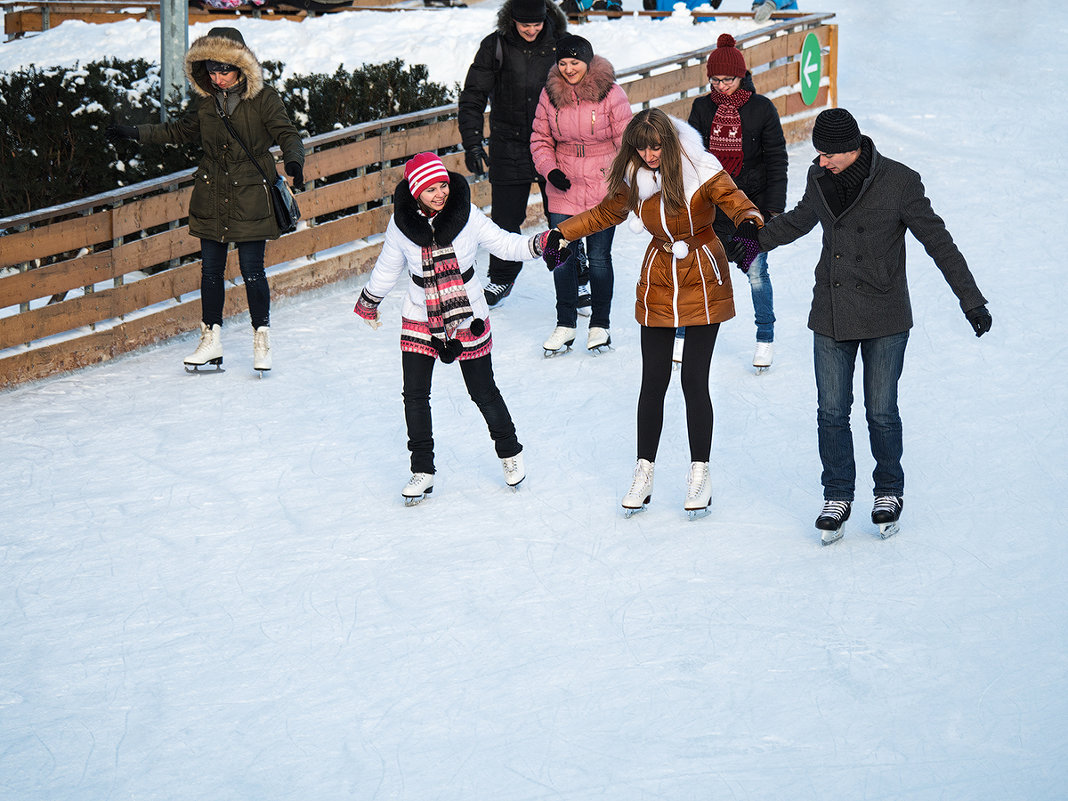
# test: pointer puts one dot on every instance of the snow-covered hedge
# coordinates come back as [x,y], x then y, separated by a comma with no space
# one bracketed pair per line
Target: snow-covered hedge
[55,150]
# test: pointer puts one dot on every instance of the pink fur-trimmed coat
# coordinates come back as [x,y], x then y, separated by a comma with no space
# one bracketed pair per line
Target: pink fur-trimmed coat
[578,130]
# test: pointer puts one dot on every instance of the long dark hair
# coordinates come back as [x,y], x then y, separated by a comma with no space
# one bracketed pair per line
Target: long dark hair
[650,128]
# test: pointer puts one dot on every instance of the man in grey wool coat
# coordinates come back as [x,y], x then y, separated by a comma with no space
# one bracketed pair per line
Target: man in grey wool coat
[865,202]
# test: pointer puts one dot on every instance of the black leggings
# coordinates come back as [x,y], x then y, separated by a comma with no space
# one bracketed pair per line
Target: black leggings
[212,289]
[418,370]
[656,376]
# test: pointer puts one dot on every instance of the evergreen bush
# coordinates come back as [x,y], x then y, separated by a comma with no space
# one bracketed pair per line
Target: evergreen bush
[55,150]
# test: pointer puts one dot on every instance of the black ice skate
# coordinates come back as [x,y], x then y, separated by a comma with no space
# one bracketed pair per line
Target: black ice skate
[831,521]
[885,514]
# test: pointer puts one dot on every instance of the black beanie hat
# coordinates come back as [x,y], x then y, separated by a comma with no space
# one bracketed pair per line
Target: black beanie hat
[571,46]
[528,12]
[835,131]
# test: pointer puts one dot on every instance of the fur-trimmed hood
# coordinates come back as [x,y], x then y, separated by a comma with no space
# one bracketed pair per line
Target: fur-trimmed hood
[593,88]
[226,45]
[444,226]
[553,15]
[698,165]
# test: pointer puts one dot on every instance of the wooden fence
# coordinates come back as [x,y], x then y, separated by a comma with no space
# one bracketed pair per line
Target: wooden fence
[85,281]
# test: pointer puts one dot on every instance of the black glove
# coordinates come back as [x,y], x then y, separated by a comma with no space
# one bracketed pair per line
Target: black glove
[476,160]
[744,247]
[559,180]
[296,172]
[116,133]
[980,319]
[548,242]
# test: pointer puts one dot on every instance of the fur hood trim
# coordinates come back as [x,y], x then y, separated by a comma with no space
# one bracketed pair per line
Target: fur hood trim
[229,49]
[553,15]
[698,165]
[445,226]
[593,88]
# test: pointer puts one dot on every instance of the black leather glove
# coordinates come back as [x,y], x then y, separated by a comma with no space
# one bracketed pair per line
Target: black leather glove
[559,180]
[296,172]
[980,319]
[476,160]
[116,133]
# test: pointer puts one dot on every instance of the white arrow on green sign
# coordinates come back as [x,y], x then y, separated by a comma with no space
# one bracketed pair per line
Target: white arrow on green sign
[811,67]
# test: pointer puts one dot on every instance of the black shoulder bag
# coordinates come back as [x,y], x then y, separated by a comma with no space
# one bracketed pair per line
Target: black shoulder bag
[286,211]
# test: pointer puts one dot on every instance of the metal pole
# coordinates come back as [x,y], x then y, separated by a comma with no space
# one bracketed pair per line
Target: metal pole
[174,41]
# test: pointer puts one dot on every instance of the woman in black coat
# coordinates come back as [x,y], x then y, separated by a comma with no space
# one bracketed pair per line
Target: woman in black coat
[730,112]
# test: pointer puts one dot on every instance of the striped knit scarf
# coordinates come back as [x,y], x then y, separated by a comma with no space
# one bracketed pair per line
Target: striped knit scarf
[447,304]
[725,138]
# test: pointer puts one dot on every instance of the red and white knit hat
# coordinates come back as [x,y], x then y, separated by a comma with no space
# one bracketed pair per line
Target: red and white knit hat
[422,171]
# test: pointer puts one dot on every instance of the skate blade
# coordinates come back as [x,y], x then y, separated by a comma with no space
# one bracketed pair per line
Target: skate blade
[418,499]
[759,370]
[597,350]
[887,530]
[215,364]
[630,511]
[551,354]
[515,487]
[697,514]
[829,537]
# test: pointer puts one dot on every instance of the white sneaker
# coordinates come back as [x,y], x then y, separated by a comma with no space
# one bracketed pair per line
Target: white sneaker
[641,488]
[676,350]
[598,339]
[261,349]
[209,349]
[762,356]
[559,341]
[699,489]
[514,470]
[418,487]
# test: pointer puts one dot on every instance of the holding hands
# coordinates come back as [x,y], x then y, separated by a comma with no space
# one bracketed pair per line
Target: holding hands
[550,245]
[744,247]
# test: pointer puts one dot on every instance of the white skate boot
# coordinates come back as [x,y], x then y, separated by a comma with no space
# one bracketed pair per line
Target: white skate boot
[514,471]
[762,357]
[698,491]
[261,349]
[209,349]
[419,486]
[598,340]
[559,341]
[641,489]
[831,522]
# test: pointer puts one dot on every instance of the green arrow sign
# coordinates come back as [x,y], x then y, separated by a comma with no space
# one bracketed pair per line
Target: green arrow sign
[811,67]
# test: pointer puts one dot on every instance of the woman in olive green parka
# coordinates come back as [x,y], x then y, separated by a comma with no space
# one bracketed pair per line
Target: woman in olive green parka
[231,200]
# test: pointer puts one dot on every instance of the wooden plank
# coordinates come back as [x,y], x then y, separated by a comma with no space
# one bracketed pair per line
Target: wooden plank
[55,279]
[150,212]
[61,237]
[666,83]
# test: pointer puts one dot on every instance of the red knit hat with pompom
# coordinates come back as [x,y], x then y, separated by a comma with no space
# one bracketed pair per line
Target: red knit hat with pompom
[726,59]
[422,171]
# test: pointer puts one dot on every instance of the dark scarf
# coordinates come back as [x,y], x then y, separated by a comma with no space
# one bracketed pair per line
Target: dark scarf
[845,186]
[725,137]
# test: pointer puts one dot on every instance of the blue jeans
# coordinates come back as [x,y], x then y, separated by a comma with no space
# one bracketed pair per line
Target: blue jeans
[884,358]
[598,255]
[763,302]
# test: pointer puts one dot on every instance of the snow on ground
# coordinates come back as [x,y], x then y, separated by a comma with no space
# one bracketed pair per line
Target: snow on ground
[210,589]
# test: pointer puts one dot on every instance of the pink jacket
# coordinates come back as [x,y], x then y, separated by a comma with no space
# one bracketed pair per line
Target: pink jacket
[578,130]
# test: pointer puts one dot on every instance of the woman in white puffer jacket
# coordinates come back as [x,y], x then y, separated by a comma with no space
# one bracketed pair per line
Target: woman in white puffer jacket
[578,127]
[432,240]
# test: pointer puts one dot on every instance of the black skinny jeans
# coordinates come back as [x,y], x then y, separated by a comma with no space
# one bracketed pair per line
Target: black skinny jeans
[656,376]
[212,291]
[418,370]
